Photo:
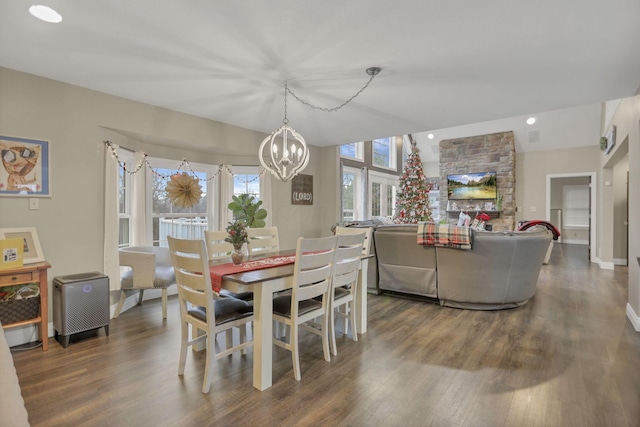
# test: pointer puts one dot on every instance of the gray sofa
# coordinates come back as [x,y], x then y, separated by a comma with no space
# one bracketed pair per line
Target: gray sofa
[500,271]
[12,410]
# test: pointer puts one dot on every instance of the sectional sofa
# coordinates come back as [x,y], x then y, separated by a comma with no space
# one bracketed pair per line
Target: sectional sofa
[500,271]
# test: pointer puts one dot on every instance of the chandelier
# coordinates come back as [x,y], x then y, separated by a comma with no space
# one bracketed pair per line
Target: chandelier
[285,149]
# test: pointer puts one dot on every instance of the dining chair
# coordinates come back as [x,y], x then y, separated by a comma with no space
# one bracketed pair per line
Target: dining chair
[149,268]
[366,246]
[344,284]
[263,240]
[200,310]
[313,269]
[218,249]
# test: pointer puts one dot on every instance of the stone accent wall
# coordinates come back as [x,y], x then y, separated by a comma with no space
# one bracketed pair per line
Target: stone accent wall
[482,153]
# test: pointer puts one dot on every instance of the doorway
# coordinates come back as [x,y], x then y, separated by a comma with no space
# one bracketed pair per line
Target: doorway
[570,198]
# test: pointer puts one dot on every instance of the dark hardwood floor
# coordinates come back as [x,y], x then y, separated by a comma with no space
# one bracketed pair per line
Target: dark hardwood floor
[569,357]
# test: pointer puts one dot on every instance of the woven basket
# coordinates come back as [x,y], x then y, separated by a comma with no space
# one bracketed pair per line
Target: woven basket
[19,310]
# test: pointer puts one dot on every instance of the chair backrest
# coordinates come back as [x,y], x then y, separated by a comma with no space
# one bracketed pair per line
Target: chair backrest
[217,248]
[313,268]
[366,245]
[191,265]
[263,240]
[347,260]
[150,267]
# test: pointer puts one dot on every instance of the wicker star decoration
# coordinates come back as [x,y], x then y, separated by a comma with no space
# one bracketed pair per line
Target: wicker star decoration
[184,190]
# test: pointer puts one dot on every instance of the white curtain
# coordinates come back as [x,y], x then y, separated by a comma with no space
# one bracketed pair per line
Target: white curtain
[142,234]
[226,191]
[266,197]
[111,226]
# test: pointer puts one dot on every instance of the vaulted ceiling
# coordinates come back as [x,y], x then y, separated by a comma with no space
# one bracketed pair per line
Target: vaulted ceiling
[444,64]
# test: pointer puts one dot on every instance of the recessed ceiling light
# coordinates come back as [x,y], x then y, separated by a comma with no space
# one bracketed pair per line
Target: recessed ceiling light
[430,136]
[531,120]
[45,13]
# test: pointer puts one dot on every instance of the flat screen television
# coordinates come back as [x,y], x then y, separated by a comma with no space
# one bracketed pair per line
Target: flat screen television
[472,186]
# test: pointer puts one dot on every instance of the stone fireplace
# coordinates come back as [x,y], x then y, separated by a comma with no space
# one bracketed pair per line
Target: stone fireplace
[482,153]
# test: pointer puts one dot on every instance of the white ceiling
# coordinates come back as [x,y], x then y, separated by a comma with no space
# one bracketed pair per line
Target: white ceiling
[444,63]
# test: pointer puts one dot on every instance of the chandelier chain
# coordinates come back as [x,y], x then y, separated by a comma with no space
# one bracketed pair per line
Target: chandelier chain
[328,110]
[286,89]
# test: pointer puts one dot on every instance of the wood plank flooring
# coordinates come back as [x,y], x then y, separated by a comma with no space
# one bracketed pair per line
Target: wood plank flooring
[569,357]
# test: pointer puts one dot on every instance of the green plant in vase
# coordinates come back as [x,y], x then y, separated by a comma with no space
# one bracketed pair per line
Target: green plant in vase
[248,211]
[237,236]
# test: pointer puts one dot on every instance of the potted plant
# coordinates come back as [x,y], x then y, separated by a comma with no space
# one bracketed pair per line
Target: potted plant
[603,142]
[248,211]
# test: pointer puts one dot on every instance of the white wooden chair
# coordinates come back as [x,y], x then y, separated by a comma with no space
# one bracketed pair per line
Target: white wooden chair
[313,269]
[366,246]
[199,309]
[344,284]
[263,240]
[150,268]
[217,248]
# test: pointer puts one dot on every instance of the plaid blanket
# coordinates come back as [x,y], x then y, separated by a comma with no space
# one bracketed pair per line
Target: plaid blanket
[444,235]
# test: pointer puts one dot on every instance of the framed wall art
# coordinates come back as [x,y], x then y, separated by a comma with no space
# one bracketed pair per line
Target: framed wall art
[611,139]
[32,251]
[302,190]
[26,167]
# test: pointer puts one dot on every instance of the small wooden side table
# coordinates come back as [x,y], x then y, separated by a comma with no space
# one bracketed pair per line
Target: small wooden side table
[31,273]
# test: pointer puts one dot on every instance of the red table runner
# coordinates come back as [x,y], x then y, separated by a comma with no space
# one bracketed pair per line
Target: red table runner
[217,271]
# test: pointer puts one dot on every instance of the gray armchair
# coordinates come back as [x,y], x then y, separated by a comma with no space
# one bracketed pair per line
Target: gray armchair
[150,268]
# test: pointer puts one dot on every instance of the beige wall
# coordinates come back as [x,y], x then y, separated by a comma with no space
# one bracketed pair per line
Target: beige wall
[627,121]
[76,121]
[532,170]
[314,220]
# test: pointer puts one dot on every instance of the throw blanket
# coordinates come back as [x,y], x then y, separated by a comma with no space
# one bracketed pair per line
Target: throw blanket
[444,235]
[217,271]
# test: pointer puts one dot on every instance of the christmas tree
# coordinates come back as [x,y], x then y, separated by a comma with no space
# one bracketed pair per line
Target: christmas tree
[412,200]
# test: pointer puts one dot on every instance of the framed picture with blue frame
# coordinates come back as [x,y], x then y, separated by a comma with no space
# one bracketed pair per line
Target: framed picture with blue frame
[26,167]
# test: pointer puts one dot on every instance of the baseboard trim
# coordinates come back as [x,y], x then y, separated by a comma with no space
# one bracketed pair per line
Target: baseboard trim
[620,261]
[633,318]
[575,242]
[606,265]
[29,333]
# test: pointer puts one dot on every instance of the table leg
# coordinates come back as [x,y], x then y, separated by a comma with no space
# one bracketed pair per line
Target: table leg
[262,336]
[361,300]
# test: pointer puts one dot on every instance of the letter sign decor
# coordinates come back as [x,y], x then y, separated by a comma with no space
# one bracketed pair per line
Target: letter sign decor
[302,190]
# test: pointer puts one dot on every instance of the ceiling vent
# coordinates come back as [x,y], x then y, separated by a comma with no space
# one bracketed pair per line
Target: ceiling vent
[534,136]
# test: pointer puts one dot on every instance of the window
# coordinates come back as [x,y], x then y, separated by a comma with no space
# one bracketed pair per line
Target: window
[353,150]
[383,153]
[246,180]
[351,194]
[382,194]
[125,190]
[167,219]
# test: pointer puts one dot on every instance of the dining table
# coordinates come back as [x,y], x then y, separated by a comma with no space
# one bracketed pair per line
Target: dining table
[266,281]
